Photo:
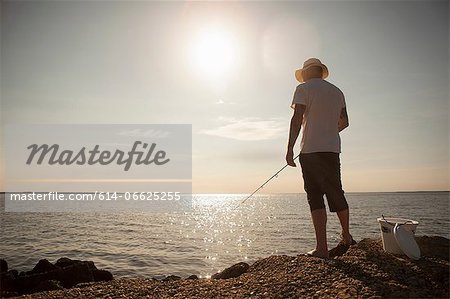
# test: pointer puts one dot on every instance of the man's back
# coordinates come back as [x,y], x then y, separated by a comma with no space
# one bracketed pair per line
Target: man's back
[324,103]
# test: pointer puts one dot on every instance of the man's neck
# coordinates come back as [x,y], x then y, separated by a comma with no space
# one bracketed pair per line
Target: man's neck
[313,78]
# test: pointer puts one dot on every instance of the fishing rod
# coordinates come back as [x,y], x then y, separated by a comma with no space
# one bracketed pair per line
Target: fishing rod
[260,187]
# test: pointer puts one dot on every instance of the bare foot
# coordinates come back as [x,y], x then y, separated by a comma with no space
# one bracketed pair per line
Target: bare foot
[348,239]
[316,253]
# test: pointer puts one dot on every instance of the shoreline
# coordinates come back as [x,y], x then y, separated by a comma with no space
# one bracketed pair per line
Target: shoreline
[364,271]
[244,193]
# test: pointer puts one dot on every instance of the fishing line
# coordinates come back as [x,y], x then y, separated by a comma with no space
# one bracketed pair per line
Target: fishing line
[260,187]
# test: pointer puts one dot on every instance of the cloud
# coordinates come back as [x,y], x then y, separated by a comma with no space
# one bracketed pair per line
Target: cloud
[249,129]
[150,133]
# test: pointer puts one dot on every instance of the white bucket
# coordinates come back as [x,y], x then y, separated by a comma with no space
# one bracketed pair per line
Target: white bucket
[387,232]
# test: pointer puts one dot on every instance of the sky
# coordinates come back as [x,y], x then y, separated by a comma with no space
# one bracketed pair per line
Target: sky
[228,68]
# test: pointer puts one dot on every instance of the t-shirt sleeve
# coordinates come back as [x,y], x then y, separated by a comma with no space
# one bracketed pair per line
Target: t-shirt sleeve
[299,97]
[344,105]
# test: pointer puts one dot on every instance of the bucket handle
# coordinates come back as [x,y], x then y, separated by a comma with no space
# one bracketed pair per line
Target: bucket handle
[393,224]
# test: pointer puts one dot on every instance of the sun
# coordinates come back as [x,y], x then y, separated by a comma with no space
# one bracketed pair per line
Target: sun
[213,53]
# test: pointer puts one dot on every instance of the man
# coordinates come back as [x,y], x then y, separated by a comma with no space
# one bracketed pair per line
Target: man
[319,107]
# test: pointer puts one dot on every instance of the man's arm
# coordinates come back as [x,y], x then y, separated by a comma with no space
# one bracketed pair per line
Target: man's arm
[294,130]
[343,120]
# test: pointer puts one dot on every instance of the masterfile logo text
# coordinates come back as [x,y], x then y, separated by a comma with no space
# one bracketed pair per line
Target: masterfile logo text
[147,165]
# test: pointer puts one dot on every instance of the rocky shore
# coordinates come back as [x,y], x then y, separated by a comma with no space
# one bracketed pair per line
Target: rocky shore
[45,276]
[363,271]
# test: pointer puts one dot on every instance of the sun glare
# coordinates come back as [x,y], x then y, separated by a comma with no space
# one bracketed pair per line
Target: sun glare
[213,53]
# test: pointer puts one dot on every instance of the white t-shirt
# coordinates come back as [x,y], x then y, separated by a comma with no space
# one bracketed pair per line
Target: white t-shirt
[324,103]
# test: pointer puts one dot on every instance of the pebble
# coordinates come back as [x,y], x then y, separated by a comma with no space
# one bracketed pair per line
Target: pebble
[364,271]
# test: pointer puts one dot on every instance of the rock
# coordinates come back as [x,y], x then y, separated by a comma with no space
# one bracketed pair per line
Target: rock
[102,275]
[43,266]
[77,273]
[6,283]
[65,262]
[192,277]
[84,285]
[171,278]
[434,246]
[3,266]
[158,277]
[65,273]
[48,285]
[231,272]
[13,273]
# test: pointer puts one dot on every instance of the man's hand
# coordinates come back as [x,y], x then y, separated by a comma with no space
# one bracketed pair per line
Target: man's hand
[290,157]
[343,120]
[294,130]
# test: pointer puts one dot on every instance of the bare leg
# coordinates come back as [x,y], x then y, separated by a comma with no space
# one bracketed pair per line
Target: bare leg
[344,220]
[319,218]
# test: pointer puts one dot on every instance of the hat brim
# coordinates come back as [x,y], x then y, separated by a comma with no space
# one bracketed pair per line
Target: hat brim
[299,75]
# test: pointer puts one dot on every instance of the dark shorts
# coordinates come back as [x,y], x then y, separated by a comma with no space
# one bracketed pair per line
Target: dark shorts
[322,176]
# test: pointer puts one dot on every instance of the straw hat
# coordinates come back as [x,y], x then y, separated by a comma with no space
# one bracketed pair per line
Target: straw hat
[309,63]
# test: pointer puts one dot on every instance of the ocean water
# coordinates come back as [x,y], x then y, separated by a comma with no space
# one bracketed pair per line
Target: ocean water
[213,236]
